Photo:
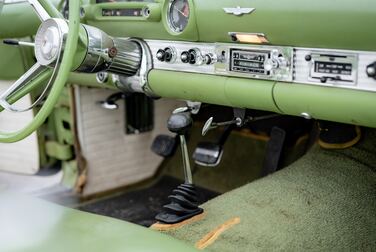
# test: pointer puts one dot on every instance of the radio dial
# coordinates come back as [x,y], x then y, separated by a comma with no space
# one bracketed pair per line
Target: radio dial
[275,63]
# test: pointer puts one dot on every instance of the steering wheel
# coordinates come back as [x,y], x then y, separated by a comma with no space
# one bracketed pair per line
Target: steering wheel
[55,51]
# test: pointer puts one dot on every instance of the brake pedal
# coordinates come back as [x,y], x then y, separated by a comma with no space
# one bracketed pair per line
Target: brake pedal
[164,145]
[208,154]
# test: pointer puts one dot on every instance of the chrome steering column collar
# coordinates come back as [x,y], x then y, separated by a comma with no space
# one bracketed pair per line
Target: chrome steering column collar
[130,59]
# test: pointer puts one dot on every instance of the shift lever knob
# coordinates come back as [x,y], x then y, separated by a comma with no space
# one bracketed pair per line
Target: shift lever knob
[179,123]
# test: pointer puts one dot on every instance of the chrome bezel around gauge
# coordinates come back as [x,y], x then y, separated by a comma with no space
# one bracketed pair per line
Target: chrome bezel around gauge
[169,17]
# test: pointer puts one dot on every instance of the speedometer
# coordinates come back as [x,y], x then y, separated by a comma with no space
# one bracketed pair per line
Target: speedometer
[178,15]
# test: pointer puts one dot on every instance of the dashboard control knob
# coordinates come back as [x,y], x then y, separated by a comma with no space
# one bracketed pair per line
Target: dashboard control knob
[161,55]
[192,56]
[270,64]
[276,61]
[185,57]
[371,70]
[169,53]
[210,59]
[308,57]
[166,54]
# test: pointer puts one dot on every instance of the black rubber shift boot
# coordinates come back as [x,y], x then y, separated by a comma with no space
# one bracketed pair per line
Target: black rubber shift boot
[184,205]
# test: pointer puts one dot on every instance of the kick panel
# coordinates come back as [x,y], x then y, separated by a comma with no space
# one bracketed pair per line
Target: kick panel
[326,67]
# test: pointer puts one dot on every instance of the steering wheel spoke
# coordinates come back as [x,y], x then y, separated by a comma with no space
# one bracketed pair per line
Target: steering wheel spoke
[21,83]
[39,10]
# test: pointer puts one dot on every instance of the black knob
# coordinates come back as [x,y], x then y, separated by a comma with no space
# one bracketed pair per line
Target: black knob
[308,57]
[179,123]
[192,56]
[323,79]
[208,59]
[371,70]
[161,55]
[168,54]
[184,57]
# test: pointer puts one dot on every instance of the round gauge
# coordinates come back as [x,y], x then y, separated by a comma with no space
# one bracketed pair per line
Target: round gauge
[178,15]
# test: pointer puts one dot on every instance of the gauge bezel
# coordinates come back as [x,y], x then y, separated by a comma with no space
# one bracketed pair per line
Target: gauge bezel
[174,29]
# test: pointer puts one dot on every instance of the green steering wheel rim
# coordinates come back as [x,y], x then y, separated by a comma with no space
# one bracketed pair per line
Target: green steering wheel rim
[62,75]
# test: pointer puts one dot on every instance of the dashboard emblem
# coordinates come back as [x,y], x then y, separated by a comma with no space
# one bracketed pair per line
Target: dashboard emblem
[238,11]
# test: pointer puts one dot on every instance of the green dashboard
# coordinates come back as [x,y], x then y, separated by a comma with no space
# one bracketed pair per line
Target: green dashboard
[305,58]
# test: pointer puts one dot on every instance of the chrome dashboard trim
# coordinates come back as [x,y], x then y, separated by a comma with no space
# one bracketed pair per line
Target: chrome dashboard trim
[299,71]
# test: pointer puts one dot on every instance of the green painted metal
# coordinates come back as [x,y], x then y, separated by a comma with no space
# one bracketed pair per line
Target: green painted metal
[30,224]
[62,76]
[70,173]
[59,151]
[19,20]
[64,125]
[234,92]
[35,84]
[49,6]
[321,23]
[333,104]
[10,54]
[324,24]
[344,24]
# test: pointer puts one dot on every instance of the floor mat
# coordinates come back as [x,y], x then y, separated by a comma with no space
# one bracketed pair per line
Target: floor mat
[326,201]
[140,207]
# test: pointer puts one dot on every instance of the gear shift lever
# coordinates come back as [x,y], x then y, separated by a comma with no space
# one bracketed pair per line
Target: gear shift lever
[184,201]
[180,124]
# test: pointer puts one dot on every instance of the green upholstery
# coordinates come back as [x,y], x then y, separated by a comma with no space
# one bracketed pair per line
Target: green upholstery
[28,224]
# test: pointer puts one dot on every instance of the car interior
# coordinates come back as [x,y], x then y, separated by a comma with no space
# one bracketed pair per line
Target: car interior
[187,125]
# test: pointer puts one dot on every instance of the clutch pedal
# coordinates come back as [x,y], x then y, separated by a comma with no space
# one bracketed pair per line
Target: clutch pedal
[164,145]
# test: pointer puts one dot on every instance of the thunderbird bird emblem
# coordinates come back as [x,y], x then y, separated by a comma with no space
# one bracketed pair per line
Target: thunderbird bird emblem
[238,11]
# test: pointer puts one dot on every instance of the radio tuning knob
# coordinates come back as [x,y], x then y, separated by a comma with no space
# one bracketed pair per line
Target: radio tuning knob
[270,64]
[275,63]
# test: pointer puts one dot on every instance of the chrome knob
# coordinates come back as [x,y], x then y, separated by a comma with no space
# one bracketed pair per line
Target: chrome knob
[210,59]
[270,64]
[275,61]
[166,54]
[371,70]
[184,57]
[161,55]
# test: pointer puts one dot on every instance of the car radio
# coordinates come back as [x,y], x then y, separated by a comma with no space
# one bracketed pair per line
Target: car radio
[248,61]
[333,68]
[259,62]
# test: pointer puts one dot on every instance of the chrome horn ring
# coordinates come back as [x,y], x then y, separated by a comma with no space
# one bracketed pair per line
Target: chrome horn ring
[49,42]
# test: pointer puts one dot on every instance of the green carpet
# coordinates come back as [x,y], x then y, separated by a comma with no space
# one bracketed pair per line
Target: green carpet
[326,201]
[241,163]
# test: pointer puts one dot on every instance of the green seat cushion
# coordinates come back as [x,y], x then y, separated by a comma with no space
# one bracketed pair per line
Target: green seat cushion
[29,224]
